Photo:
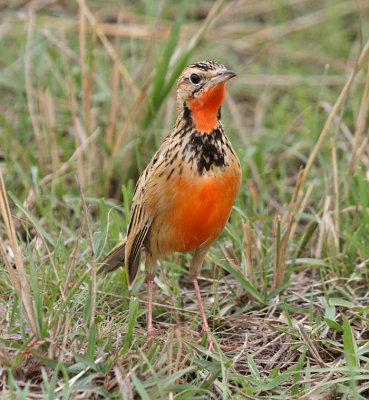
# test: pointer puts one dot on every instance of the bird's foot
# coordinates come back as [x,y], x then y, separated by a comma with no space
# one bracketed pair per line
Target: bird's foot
[151,334]
[210,342]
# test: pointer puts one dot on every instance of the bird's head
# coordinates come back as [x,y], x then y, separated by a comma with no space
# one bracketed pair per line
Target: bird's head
[201,91]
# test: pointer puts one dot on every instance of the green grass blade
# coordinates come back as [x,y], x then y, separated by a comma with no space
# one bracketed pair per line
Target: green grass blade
[69,297]
[132,318]
[90,353]
[349,345]
[244,283]
[253,368]
[33,220]
[157,97]
[52,384]
[139,386]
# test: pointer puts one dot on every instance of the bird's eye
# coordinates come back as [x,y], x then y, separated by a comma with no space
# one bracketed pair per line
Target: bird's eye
[195,78]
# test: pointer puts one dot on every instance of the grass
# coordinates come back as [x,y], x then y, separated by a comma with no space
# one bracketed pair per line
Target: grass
[88,89]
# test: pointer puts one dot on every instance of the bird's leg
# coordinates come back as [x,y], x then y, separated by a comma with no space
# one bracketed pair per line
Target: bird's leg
[150,329]
[195,267]
[150,275]
[205,326]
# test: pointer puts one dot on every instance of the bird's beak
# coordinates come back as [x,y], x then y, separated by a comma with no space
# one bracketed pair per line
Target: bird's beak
[222,76]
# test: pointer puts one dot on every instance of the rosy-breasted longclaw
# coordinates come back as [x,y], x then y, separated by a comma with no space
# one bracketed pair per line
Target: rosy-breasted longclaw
[183,198]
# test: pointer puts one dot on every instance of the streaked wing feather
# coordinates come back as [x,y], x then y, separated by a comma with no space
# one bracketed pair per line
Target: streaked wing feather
[143,210]
[114,259]
[133,258]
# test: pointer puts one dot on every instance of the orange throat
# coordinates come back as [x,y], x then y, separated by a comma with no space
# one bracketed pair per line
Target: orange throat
[205,108]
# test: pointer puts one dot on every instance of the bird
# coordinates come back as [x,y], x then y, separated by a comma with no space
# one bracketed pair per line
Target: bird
[184,197]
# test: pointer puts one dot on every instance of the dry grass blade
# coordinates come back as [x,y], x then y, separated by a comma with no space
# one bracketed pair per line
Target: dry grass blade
[137,106]
[132,31]
[49,112]
[281,252]
[300,208]
[287,80]
[82,59]
[210,19]
[179,353]
[141,96]
[360,126]
[335,185]
[334,111]
[77,153]
[20,282]
[73,109]
[248,250]
[293,204]
[125,384]
[9,266]
[277,32]
[228,257]
[114,106]
[93,260]
[29,202]
[109,48]
[30,99]
[322,228]
[309,343]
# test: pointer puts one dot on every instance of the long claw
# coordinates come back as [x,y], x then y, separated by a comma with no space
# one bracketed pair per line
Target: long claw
[206,329]
[211,346]
[150,334]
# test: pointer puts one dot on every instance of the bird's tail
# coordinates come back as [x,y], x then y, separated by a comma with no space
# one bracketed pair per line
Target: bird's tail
[114,259]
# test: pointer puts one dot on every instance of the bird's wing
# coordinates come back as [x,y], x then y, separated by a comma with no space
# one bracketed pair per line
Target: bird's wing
[114,259]
[143,211]
[138,228]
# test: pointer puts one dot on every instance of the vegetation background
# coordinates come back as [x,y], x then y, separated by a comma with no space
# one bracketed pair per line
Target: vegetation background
[88,88]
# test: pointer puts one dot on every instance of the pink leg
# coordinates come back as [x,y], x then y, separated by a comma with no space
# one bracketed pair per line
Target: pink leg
[150,283]
[205,326]
[150,329]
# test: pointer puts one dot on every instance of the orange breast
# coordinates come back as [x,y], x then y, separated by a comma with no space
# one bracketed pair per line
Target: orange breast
[201,209]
